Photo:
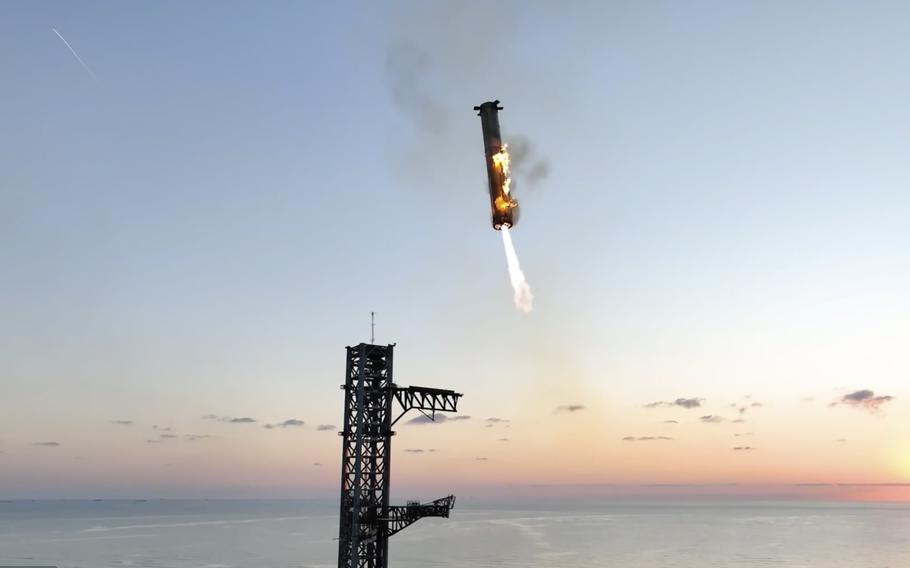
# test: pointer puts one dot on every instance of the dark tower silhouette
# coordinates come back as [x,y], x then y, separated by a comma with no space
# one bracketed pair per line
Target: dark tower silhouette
[366,519]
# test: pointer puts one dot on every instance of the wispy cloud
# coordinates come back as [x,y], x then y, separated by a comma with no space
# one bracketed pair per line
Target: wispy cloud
[742,408]
[76,55]
[414,450]
[122,422]
[439,419]
[424,419]
[495,421]
[502,439]
[194,437]
[168,436]
[645,438]
[570,408]
[229,419]
[711,419]
[482,459]
[289,423]
[47,444]
[680,402]
[326,427]
[865,398]
[317,464]
[744,449]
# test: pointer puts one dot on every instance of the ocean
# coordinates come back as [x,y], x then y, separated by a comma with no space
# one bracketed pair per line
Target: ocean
[272,534]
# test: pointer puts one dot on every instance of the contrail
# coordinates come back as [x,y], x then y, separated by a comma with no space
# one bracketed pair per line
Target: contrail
[73,51]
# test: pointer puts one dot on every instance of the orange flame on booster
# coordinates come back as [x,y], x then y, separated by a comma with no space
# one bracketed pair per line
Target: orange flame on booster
[502,161]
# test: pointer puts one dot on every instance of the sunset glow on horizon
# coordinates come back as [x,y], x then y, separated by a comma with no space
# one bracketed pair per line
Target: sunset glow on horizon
[644,450]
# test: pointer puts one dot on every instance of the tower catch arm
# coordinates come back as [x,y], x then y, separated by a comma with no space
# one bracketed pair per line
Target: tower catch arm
[402,516]
[427,400]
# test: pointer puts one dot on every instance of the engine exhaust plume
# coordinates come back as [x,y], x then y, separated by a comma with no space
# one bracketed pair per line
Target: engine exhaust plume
[524,298]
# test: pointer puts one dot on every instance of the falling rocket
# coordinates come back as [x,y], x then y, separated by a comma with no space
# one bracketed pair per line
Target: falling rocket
[503,208]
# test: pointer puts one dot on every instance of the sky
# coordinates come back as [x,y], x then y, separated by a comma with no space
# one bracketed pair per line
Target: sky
[201,210]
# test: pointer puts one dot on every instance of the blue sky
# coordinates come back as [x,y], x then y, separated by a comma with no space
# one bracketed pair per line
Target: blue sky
[205,223]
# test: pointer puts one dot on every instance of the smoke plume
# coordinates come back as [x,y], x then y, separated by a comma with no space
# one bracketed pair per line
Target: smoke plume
[524,164]
[418,81]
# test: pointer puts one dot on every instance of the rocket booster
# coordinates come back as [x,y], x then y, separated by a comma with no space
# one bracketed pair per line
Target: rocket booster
[504,209]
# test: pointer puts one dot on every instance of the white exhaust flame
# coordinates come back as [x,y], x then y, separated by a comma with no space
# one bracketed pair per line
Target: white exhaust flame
[524,299]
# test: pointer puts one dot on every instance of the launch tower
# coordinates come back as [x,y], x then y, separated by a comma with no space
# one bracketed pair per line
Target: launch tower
[370,395]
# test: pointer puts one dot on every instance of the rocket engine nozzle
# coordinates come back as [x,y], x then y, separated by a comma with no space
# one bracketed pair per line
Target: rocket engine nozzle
[503,207]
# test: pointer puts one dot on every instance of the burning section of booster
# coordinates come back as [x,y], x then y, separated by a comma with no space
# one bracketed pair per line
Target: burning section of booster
[503,208]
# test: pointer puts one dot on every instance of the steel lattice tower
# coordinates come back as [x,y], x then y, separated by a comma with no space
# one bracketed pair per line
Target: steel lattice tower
[366,519]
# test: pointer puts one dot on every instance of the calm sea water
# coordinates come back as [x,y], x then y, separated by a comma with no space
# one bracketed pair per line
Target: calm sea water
[267,534]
